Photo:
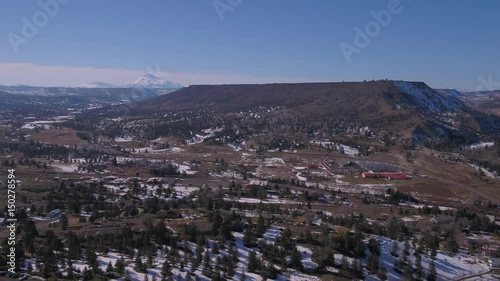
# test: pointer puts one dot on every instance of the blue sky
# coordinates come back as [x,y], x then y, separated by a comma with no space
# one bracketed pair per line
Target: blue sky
[447,43]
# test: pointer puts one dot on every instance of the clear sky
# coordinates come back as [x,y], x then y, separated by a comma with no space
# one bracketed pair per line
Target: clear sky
[446,43]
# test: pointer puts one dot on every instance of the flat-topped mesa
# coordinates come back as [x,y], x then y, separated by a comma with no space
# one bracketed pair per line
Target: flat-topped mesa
[410,108]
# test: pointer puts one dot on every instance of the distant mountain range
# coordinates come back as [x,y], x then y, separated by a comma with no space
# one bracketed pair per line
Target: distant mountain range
[145,87]
[487,101]
[148,81]
[26,100]
[96,85]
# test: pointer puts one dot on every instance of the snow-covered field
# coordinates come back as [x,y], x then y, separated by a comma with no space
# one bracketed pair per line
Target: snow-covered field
[416,206]
[264,201]
[351,151]
[185,169]
[301,177]
[178,274]
[447,267]
[176,150]
[272,234]
[184,191]
[46,124]
[486,172]
[237,147]
[227,174]
[306,259]
[124,139]
[208,133]
[65,168]
[273,162]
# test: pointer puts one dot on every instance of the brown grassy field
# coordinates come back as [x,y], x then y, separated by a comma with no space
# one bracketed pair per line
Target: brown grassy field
[63,136]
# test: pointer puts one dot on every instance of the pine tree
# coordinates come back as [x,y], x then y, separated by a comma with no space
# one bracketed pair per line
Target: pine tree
[138,263]
[359,249]
[382,273]
[433,253]
[150,260]
[252,262]
[419,270]
[345,263]
[308,235]
[120,266]
[395,249]
[64,221]
[406,250]
[233,253]
[373,264]
[432,272]
[408,274]
[296,261]
[109,268]
[70,269]
[206,264]
[261,226]
[248,238]
[166,269]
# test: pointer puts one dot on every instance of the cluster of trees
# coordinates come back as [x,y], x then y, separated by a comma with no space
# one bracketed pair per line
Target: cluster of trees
[468,218]
[397,196]
[165,170]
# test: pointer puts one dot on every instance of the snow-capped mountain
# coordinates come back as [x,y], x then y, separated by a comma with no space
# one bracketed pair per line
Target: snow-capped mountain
[151,81]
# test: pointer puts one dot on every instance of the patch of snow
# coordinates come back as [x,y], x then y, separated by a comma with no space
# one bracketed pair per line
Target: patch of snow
[123,139]
[481,145]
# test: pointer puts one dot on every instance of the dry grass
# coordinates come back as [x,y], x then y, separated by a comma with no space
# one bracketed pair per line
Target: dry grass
[63,136]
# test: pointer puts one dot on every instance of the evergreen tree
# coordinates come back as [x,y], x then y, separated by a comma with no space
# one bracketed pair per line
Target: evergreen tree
[395,249]
[253,263]
[248,238]
[166,269]
[295,257]
[372,264]
[382,273]
[109,268]
[63,219]
[419,270]
[261,226]
[432,272]
[345,263]
[206,264]
[120,266]
[138,263]
[70,269]
[433,253]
